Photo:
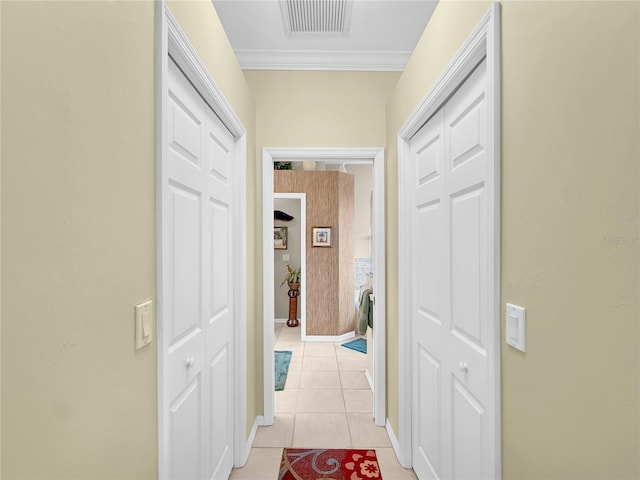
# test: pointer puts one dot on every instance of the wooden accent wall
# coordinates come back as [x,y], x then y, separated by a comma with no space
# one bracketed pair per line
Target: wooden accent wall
[347,251]
[330,271]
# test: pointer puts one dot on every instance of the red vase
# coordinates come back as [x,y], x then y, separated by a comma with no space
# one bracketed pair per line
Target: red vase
[294,292]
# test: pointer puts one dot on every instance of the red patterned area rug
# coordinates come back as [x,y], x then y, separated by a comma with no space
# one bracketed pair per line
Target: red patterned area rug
[312,464]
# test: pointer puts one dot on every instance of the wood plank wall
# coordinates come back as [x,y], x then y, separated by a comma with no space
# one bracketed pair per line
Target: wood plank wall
[330,270]
[346,222]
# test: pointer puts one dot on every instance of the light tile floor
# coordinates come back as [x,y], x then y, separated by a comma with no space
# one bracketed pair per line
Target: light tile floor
[326,403]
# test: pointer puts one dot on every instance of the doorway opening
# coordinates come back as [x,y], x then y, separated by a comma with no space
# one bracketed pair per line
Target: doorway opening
[361,156]
[292,251]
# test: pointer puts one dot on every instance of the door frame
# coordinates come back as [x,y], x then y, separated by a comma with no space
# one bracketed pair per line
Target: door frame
[302,197]
[172,42]
[362,156]
[483,42]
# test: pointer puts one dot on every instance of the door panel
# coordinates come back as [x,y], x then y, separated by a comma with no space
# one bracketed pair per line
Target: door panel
[468,448]
[219,407]
[465,129]
[185,432]
[186,258]
[182,258]
[428,285]
[465,266]
[220,252]
[185,126]
[430,393]
[218,155]
[449,255]
[428,221]
[220,312]
[198,295]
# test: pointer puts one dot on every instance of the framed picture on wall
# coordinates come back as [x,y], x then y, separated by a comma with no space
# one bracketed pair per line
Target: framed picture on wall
[321,237]
[280,238]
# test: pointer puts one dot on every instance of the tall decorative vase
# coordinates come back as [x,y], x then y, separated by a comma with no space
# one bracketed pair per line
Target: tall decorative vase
[294,292]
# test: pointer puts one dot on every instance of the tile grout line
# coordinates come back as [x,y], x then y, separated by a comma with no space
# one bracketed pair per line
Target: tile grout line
[346,415]
[305,355]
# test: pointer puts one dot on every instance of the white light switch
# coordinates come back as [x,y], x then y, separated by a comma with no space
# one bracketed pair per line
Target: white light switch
[516,327]
[285,257]
[144,324]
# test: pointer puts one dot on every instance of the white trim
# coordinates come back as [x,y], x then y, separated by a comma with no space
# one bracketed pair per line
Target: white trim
[183,53]
[330,338]
[394,440]
[494,151]
[367,375]
[404,330]
[268,301]
[280,320]
[363,60]
[172,42]
[483,41]
[303,258]
[161,109]
[242,461]
[240,333]
[366,156]
[380,294]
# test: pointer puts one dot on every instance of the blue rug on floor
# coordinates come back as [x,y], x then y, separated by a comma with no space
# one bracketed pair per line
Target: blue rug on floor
[359,345]
[283,358]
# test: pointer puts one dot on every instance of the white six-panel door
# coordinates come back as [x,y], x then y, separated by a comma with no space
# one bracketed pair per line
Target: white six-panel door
[198,296]
[449,275]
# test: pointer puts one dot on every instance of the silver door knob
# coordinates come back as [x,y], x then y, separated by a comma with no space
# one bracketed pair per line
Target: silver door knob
[190,362]
[463,367]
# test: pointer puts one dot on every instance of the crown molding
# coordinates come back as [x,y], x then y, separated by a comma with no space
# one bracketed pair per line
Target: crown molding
[383,61]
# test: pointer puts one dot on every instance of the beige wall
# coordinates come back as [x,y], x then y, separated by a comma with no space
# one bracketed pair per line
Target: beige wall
[313,109]
[570,237]
[78,242]
[363,186]
[78,237]
[320,109]
[570,154]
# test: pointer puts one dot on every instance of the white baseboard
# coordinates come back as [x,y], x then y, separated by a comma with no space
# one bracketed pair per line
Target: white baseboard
[369,380]
[329,338]
[252,436]
[280,320]
[394,443]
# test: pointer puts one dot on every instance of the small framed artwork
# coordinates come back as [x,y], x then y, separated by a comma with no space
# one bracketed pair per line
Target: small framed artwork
[280,238]
[321,237]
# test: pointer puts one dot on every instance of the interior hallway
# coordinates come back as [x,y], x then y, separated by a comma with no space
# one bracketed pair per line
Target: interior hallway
[326,403]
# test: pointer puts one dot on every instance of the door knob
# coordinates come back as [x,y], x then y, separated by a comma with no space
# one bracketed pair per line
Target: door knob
[463,367]
[190,362]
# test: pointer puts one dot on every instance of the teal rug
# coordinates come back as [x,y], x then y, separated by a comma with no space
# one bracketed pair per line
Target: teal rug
[283,358]
[359,345]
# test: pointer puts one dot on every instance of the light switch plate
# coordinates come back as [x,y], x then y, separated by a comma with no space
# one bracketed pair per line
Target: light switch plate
[144,324]
[516,327]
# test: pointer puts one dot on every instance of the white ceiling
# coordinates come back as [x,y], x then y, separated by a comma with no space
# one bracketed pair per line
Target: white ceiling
[381,37]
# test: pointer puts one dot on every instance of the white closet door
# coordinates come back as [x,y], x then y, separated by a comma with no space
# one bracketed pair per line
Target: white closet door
[449,320]
[197,310]
[219,311]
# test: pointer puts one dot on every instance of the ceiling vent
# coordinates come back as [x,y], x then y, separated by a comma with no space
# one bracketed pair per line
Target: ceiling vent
[316,16]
